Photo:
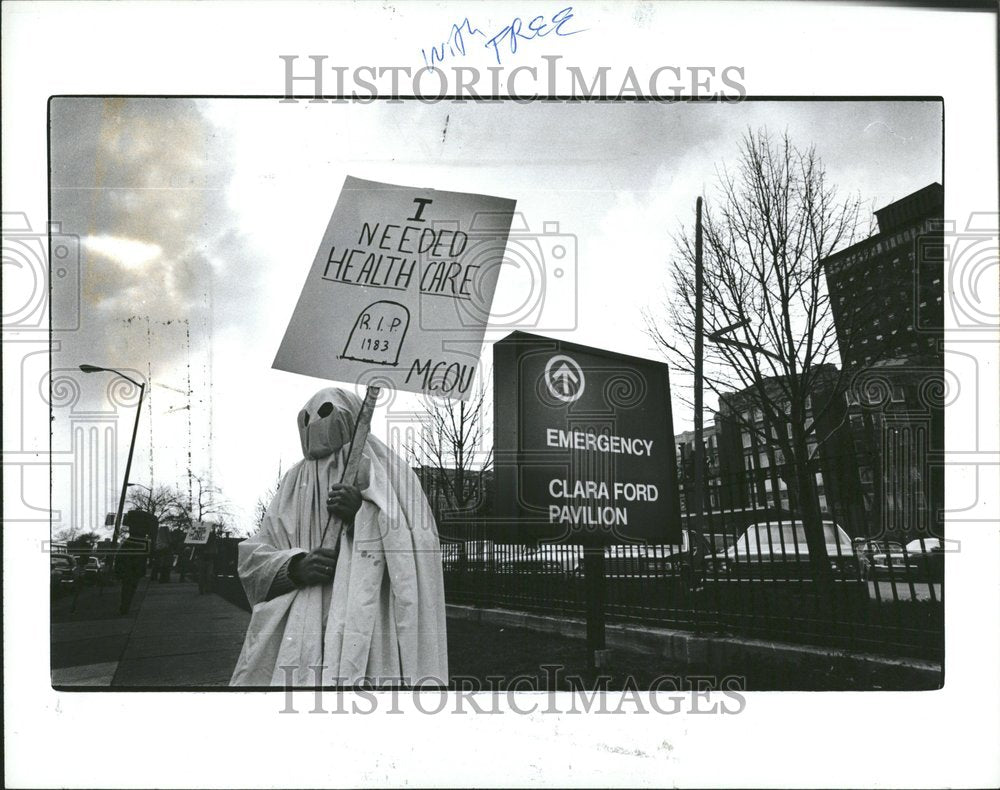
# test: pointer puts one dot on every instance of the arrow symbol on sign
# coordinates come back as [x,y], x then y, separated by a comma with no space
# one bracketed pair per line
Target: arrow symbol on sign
[566,378]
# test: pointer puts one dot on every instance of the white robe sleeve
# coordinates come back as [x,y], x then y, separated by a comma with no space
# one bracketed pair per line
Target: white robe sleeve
[262,556]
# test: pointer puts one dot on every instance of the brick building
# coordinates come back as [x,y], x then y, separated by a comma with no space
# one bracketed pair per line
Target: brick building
[754,474]
[684,445]
[886,296]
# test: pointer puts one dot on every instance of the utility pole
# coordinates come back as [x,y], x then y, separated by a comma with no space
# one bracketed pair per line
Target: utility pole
[697,506]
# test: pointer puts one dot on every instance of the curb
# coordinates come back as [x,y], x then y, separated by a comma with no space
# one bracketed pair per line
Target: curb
[688,648]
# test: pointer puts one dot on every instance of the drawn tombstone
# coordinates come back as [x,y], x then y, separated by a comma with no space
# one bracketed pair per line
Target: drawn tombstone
[378,333]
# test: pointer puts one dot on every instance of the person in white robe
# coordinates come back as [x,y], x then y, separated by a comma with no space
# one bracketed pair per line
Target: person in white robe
[370,611]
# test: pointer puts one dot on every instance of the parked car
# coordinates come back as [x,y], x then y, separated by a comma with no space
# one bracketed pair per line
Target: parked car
[678,563]
[886,555]
[532,565]
[93,571]
[457,564]
[60,572]
[779,551]
[925,558]
[625,560]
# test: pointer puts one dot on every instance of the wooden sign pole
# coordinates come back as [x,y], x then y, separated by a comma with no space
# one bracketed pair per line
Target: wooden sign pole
[362,427]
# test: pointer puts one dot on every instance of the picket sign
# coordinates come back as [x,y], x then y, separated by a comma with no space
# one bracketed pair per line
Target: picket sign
[400,288]
[362,427]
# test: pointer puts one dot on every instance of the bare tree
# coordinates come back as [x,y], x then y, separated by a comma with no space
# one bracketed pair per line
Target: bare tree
[767,229]
[452,448]
[164,502]
[209,504]
[83,542]
[264,501]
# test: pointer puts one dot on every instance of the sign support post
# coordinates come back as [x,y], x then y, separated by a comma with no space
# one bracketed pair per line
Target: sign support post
[595,589]
[350,474]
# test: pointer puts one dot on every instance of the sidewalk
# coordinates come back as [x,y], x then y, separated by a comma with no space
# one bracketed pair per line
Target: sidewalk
[173,637]
[86,644]
[181,638]
[176,638]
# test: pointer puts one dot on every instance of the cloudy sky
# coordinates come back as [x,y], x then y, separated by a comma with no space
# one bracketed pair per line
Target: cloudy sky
[198,221]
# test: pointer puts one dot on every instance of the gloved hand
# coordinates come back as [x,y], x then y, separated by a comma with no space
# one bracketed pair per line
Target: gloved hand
[316,567]
[343,501]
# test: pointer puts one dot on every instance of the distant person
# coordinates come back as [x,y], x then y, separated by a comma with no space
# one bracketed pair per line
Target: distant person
[367,610]
[185,562]
[130,566]
[79,564]
[163,555]
[205,563]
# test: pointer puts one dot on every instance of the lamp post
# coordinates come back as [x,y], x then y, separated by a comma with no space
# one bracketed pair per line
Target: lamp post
[135,429]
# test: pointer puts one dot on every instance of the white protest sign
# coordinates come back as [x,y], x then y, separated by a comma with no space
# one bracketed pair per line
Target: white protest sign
[198,533]
[400,290]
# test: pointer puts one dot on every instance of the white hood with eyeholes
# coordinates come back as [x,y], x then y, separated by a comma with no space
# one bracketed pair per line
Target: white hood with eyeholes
[382,620]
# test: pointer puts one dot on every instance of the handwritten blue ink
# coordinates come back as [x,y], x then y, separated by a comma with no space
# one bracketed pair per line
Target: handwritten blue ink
[538,27]
[513,35]
[455,43]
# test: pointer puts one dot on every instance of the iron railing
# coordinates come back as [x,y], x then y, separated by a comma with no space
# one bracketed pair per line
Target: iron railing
[751,577]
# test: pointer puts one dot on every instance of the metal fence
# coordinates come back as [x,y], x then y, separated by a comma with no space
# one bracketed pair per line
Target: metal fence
[749,574]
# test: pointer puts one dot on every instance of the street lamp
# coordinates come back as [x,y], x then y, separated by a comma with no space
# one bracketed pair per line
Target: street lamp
[131,449]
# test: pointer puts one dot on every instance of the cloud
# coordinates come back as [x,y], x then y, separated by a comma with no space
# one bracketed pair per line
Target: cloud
[129,253]
[164,266]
